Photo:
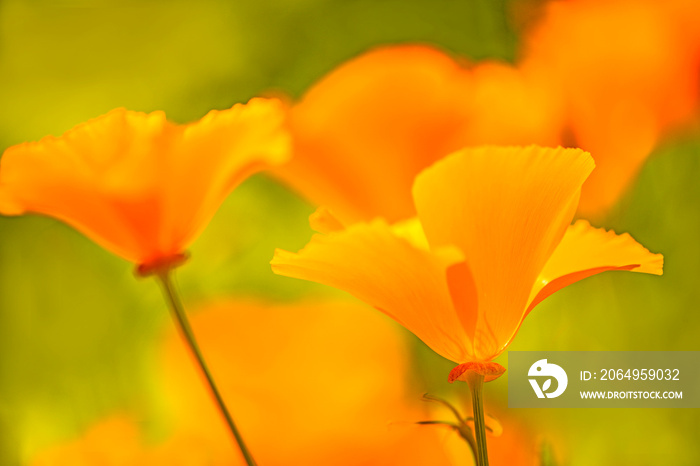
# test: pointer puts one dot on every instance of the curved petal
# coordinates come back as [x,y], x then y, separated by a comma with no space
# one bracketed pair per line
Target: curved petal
[138,185]
[365,130]
[586,251]
[214,155]
[370,262]
[98,177]
[506,209]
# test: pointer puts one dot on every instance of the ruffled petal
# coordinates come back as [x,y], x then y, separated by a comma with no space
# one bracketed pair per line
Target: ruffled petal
[370,262]
[506,209]
[138,185]
[586,251]
[215,154]
[98,177]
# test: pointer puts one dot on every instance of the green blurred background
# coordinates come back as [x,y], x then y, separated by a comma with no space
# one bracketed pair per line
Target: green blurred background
[78,332]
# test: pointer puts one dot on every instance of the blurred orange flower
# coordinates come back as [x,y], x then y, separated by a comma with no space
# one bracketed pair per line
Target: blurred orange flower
[362,133]
[627,74]
[345,405]
[137,184]
[609,77]
[334,406]
[492,239]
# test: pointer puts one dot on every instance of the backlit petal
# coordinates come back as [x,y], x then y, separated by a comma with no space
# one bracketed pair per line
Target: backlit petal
[370,262]
[215,154]
[100,177]
[506,209]
[138,185]
[586,251]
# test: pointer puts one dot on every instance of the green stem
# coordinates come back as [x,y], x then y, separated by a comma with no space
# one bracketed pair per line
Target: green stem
[476,385]
[464,430]
[178,310]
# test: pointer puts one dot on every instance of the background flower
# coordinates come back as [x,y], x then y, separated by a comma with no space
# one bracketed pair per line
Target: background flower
[320,397]
[364,131]
[627,75]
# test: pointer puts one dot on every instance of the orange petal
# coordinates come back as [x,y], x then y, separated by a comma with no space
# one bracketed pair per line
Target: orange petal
[506,209]
[490,371]
[138,185]
[513,106]
[639,54]
[100,177]
[215,154]
[370,262]
[622,139]
[586,251]
[412,231]
[625,86]
[365,130]
[323,221]
[465,297]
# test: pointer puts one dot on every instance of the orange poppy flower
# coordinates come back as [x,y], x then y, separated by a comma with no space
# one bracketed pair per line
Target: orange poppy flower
[492,239]
[627,74]
[362,134]
[137,184]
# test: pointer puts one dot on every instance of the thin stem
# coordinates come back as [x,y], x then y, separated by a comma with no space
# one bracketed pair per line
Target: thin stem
[476,385]
[461,427]
[183,324]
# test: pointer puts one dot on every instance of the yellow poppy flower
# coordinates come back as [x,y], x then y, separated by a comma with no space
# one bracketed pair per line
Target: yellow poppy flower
[137,184]
[497,241]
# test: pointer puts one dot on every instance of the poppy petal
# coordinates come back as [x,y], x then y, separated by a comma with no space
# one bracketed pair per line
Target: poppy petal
[365,130]
[506,209]
[87,178]
[323,221]
[138,185]
[217,153]
[375,265]
[586,251]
